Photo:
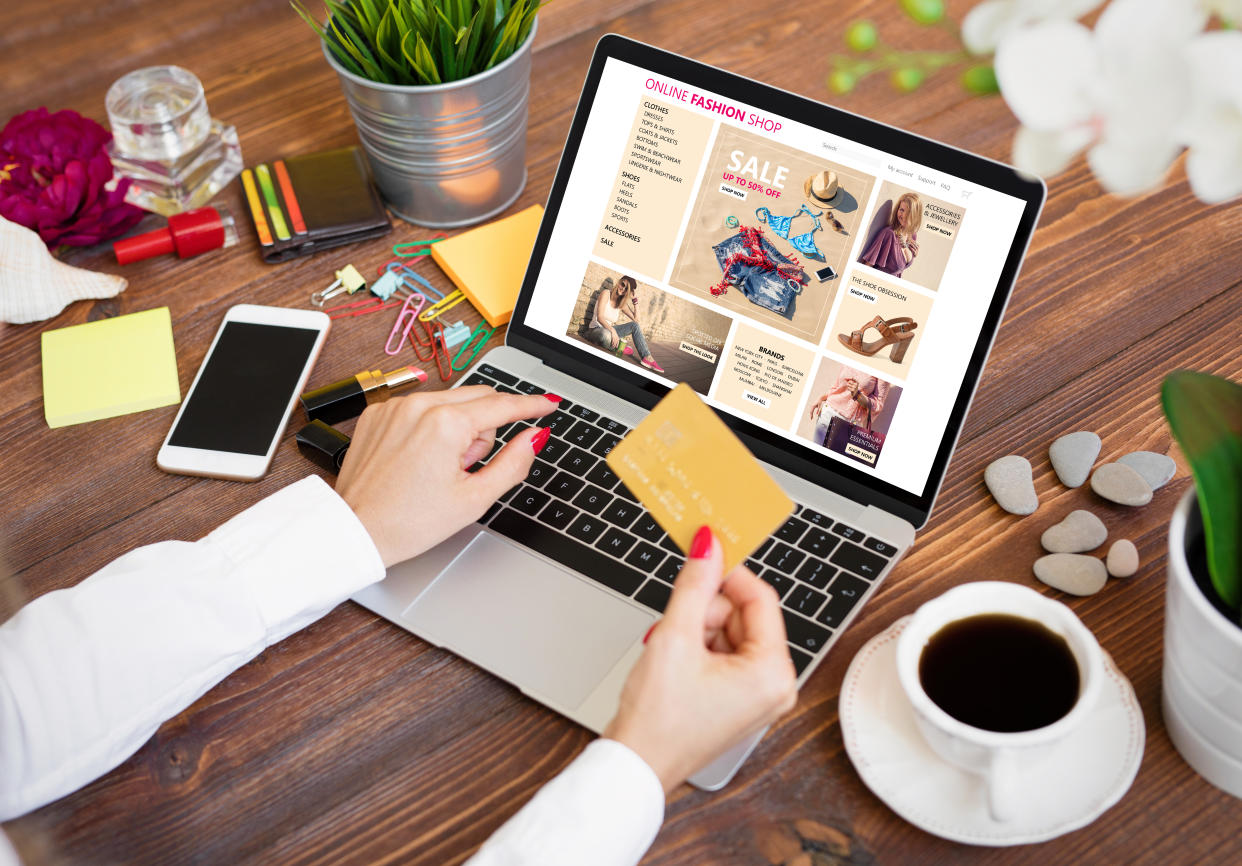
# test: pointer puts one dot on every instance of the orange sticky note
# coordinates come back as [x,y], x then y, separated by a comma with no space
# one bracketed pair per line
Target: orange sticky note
[689,470]
[488,263]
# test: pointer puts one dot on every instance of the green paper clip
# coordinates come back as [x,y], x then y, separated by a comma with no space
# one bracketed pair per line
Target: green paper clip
[480,330]
[400,249]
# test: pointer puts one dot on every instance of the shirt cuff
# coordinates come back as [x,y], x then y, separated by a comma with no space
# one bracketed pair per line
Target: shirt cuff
[298,552]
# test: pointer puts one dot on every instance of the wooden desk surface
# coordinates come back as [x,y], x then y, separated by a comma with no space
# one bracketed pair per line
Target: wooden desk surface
[353,741]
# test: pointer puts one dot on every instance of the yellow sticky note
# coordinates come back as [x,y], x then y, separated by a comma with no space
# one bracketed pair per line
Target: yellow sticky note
[109,367]
[488,263]
[689,470]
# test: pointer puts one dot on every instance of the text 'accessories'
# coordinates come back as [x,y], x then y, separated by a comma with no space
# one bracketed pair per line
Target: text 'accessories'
[896,332]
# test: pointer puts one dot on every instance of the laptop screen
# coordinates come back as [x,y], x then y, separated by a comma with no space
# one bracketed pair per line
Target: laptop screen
[821,289]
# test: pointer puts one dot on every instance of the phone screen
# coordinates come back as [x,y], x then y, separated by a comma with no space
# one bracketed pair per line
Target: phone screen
[244,389]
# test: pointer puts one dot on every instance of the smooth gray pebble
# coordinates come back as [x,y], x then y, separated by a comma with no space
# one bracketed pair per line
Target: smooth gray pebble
[1072,573]
[1123,558]
[1120,483]
[1073,455]
[1079,532]
[1011,483]
[1156,469]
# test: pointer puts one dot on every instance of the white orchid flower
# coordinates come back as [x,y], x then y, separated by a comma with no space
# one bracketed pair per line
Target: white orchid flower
[987,24]
[1213,126]
[1121,91]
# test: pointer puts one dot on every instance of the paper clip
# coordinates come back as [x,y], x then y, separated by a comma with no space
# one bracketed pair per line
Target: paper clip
[397,249]
[405,321]
[435,339]
[483,334]
[404,273]
[427,344]
[442,306]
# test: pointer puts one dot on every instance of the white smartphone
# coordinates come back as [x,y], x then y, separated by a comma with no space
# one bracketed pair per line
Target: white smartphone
[231,420]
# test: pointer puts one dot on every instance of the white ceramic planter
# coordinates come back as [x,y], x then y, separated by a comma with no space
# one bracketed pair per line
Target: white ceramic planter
[1202,666]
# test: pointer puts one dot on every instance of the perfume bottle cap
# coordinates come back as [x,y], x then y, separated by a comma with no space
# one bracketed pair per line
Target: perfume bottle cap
[187,234]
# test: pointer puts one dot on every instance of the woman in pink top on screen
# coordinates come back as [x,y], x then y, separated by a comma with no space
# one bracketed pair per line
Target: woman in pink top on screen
[855,398]
[895,245]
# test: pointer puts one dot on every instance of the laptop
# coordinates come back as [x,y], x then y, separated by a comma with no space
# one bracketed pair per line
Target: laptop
[830,285]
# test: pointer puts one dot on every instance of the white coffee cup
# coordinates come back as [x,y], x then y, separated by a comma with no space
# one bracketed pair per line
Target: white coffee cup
[998,757]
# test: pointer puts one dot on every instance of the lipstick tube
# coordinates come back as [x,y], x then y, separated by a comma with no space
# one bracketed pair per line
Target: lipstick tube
[348,397]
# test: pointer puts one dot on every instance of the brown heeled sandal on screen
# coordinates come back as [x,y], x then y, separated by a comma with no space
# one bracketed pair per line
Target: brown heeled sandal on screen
[895,332]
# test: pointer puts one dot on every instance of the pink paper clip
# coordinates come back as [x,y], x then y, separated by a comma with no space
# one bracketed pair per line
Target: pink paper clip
[405,321]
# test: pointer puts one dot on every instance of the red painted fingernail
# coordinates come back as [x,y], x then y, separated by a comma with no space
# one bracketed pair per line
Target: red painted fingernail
[702,544]
[541,439]
[647,636]
[555,398]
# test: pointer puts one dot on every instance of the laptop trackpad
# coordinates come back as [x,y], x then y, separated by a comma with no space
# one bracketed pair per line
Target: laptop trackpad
[526,620]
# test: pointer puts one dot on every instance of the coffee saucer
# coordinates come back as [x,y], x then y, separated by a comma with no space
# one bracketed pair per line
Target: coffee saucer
[1088,772]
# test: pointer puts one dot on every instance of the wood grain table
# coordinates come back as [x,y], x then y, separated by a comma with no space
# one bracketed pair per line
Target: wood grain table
[355,742]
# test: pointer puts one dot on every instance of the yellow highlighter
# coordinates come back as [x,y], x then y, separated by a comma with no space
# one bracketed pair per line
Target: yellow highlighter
[256,208]
[273,206]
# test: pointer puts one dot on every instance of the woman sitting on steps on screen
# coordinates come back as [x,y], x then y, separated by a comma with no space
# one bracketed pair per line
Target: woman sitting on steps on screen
[607,334]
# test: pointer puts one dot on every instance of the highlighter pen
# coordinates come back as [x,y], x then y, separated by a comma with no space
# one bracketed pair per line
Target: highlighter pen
[347,398]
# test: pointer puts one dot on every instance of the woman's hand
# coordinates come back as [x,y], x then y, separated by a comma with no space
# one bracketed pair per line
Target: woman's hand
[405,472]
[715,670]
[914,247]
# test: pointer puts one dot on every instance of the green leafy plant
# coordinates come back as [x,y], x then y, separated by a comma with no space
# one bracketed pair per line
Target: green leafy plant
[422,41]
[1205,414]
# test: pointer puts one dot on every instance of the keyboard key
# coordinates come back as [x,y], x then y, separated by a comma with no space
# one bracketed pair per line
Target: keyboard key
[880,547]
[816,573]
[592,499]
[848,532]
[564,486]
[800,660]
[764,548]
[603,477]
[505,389]
[622,490]
[844,593]
[614,427]
[819,543]
[492,511]
[583,434]
[498,375]
[804,600]
[784,558]
[560,422]
[530,501]
[791,530]
[805,634]
[587,528]
[553,450]
[605,445]
[584,413]
[476,379]
[558,514]
[670,568]
[811,516]
[577,462]
[508,494]
[780,582]
[853,558]
[670,545]
[646,527]
[502,433]
[616,542]
[529,388]
[754,565]
[515,428]
[621,513]
[540,472]
[565,550]
[646,557]
[655,595]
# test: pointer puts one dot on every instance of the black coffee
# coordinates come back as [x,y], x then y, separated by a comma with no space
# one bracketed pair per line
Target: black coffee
[1000,673]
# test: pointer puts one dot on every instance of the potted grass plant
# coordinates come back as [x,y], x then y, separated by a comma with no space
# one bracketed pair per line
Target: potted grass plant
[1203,600]
[438,91]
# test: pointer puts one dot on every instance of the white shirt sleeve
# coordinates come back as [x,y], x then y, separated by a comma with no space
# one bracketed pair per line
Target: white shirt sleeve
[87,674]
[604,809]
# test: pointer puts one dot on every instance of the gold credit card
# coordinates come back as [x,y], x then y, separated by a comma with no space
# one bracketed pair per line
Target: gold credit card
[689,470]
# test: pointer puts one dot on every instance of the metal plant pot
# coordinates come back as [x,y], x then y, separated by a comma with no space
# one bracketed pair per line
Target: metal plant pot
[445,155]
[1202,666]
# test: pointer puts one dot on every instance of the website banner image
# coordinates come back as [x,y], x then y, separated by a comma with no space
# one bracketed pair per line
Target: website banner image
[767,222]
[910,235]
[849,412]
[639,324]
[880,323]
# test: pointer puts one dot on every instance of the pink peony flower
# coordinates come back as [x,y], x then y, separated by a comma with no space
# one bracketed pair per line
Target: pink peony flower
[53,174]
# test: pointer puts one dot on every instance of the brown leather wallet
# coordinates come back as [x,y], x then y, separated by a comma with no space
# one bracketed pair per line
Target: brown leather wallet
[338,203]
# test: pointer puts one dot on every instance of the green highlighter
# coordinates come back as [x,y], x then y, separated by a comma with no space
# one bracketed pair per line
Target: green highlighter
[273,207]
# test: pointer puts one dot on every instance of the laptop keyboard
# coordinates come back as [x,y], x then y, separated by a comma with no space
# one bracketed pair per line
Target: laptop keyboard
[573,509]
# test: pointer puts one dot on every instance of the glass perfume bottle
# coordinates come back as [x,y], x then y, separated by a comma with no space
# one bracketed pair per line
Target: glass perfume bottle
[166,142]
